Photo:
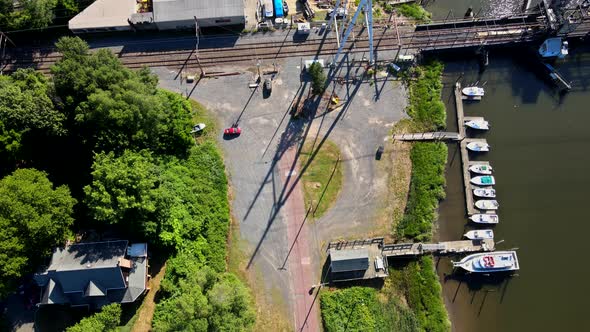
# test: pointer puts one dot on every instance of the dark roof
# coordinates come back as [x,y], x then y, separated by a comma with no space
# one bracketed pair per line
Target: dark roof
[90,274]
[88,256]
[349,260]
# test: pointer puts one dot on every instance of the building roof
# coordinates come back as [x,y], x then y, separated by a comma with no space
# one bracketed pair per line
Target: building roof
[88,256]
[91,273]
[349,259]
[177,10]
[104,14]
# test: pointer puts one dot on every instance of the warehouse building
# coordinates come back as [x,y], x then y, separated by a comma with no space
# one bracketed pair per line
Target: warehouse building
[133,15]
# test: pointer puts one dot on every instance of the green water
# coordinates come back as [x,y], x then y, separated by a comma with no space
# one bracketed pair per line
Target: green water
[540,152]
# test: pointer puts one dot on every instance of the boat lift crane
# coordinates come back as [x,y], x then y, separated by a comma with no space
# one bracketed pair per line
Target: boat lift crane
[365,6]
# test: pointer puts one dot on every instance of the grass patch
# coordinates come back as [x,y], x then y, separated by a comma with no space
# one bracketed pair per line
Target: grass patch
[426,107]
[420,286]
[200,114]
[364,309]
[426,190]
[415,11]
[320,16]
[322,180]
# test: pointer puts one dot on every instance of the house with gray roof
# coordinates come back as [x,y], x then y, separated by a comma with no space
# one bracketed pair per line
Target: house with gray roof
[94,274]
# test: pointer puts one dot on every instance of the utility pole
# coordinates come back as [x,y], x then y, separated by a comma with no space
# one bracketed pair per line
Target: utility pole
[197,47]
[367,7]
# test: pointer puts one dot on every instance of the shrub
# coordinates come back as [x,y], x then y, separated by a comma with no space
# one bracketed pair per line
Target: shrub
[318,78]
[106,320]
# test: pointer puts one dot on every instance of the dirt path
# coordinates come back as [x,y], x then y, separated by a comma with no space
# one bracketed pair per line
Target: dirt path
[146,312]
[306,305]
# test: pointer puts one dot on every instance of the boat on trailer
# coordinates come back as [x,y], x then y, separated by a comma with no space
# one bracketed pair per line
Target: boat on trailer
[480,234]
[487,204]
[473,91]
[485,180]
[478,147]
[481,169]
[485,218]
[484,192]
[498,261]
[478,124]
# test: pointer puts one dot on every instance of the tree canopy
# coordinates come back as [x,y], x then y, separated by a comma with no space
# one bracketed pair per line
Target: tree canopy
[34,14]
[34,218]
[318,78]
[114,108]
[106,320]
[195,298]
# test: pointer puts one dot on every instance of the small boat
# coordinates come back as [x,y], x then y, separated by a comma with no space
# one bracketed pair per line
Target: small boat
[498,261]
[479,234]
[485,180]
[481,169]
[473,91]
[485,218]
[478,124]
[484,192]
[486,204]
[554,48]
[478,147]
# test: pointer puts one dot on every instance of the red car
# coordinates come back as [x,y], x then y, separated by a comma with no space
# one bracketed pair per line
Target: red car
[234,130]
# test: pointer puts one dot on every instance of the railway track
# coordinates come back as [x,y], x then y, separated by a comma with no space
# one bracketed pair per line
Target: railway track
[385,40]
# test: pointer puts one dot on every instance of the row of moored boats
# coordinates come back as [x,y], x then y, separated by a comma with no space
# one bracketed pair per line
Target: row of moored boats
[483,182]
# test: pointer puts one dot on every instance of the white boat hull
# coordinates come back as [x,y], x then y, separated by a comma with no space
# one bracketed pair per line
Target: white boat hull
[486,180]
[481,169]
[485,218]
[473,91]
[480,234]
[487,204]
[478,147]
[485,193]
[499,261]
[479,125]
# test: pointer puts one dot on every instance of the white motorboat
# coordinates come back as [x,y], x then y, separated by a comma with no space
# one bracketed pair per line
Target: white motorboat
[478,124]
[485,180]
[481,169]
[498,261]
[484,192]
[479,234]
[485,218]
[487,204]
[473,91]
[478,147]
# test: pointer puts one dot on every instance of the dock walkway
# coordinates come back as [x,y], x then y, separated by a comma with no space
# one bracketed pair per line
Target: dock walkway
[433,136]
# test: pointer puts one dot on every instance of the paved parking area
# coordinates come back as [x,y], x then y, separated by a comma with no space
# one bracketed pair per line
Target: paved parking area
[264,171]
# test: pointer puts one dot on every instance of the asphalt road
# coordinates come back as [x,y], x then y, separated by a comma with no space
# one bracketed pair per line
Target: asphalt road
[264,172]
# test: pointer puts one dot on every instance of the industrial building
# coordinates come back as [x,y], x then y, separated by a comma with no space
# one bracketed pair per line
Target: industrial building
[134,15]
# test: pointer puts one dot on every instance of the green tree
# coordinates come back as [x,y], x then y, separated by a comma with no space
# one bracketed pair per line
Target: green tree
[318,78]
[122,190]
[230,303]
[26,111]
[34,218]
[114,108]
[106,320]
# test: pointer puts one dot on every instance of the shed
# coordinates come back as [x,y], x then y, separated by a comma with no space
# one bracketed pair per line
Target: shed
[349,260]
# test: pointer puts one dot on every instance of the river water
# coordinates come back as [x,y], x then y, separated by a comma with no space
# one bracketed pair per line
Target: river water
[541,156]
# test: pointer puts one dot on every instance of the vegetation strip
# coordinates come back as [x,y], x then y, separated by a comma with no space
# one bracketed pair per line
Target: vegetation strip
[322,180]
[411,298]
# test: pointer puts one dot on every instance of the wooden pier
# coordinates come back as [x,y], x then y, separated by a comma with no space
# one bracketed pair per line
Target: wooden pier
[433,136]
[417,249]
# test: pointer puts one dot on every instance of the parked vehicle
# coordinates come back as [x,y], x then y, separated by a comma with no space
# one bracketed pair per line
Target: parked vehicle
[268,85]
[198,128]
[285,8]
[232,131]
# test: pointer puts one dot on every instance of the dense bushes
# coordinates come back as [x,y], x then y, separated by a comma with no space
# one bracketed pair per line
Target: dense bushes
[106,320]
[413,10]
[364,309]
[426,190]
[419,282]
[426,108]
[196,298]
[318,78]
